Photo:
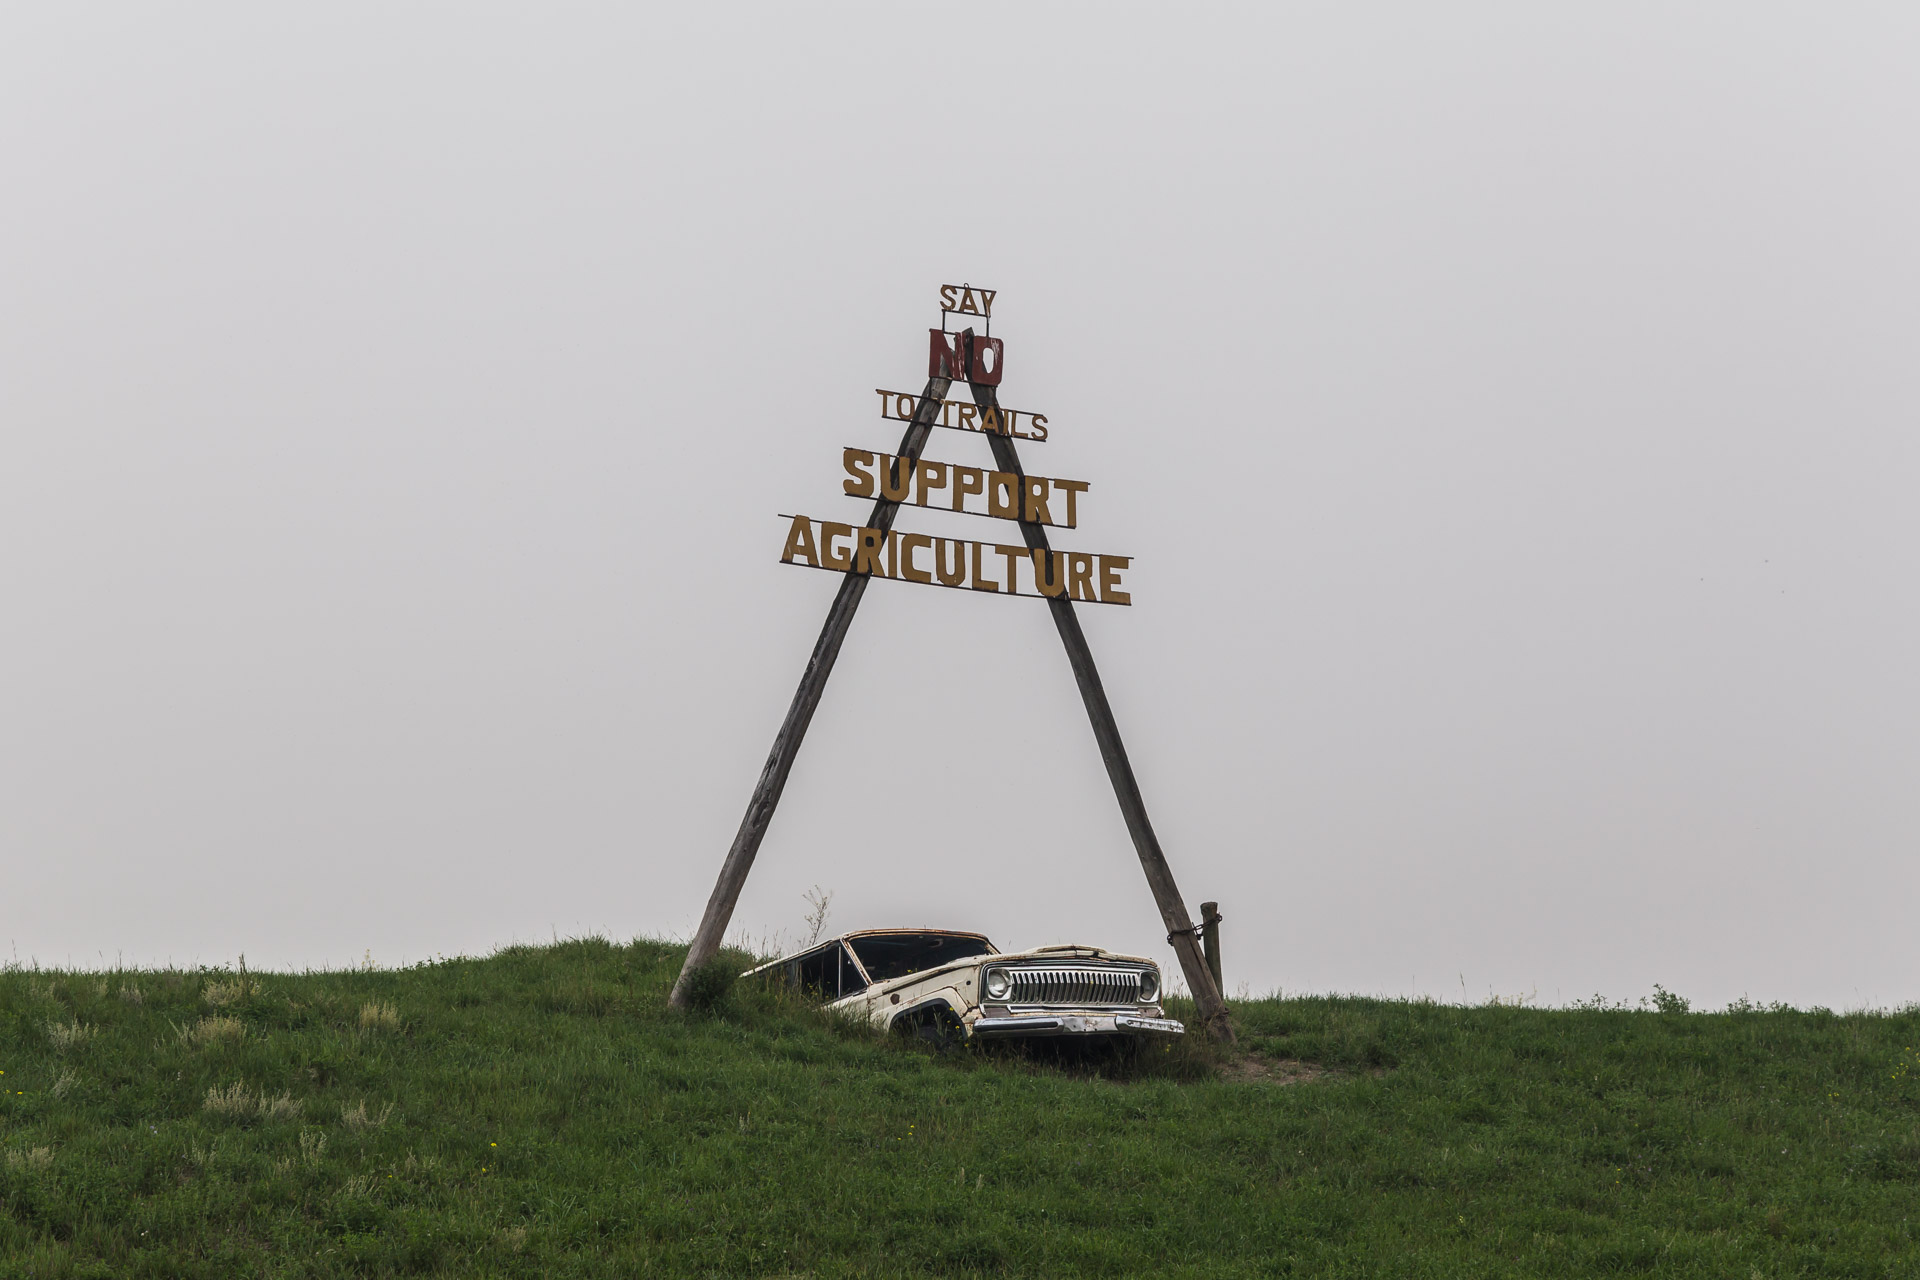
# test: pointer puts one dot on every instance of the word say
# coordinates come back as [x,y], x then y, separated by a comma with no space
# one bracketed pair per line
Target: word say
[966,300]
[961,416]
[954,562]
[1009,496]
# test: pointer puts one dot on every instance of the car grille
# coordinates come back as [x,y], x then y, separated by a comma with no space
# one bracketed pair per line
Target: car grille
[1074,986]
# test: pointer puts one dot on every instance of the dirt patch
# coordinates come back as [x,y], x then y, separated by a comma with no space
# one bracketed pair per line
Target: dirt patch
[1251,1068]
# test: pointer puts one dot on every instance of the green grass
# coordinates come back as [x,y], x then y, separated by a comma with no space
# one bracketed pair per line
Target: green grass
[540,1112]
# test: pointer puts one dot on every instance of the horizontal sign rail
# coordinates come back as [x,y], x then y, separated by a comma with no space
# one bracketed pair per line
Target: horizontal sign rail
[1006,495]
[954,562]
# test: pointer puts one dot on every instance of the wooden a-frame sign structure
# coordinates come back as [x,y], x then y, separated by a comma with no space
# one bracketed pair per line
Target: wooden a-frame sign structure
[876,548]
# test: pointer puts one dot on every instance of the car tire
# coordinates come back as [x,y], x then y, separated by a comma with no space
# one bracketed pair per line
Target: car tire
[935,1025]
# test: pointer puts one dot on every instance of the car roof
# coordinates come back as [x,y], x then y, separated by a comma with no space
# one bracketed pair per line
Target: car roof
[853,935]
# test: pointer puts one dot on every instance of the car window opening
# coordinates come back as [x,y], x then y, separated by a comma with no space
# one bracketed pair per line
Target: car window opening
[827,973]
[896,955]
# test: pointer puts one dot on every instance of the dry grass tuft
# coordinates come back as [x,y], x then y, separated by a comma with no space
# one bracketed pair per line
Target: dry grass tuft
[212,1029]
[357,1119]
[237,1103]
[238,991]
[313,1145]
[36,1158]
[379,1015]
[130,992]
[64,1085]
[65,1035]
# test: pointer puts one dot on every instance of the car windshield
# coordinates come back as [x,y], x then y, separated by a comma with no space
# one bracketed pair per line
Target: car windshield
[895,955]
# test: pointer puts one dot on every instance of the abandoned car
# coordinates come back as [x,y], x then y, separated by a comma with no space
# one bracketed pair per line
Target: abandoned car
[947,986]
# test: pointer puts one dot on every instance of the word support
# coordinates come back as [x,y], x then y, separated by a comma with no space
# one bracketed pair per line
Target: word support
[960,415]
[954,562]
[1007,495]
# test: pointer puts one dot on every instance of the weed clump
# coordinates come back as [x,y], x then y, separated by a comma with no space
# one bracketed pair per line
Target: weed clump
[357,1119]
[710,987]
[235,1102]
[65,1035]
[213,1029]
[378,1015]
[222,994]
[37,1159]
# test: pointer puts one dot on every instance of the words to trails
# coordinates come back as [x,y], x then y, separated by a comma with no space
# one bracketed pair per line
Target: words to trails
[1003,495]
[1009,495]
[961,416]
[954,562]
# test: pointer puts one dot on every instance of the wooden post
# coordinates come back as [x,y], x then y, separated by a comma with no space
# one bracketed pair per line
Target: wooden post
[1210,918]
[786,744]
[1166,894]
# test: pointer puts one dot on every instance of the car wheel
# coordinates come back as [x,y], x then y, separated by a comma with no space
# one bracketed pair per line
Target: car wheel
[937,1027]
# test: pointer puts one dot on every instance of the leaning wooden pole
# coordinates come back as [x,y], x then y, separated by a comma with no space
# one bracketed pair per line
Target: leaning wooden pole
[786,744]
[1133,807]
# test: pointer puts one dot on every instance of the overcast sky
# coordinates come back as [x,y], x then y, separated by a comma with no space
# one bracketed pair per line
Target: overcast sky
[1511,411]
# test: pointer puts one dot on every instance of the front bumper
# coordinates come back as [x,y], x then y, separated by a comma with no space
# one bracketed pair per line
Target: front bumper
[1077,1024]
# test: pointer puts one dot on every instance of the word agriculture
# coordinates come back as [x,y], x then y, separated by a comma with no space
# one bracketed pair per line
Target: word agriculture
[954,562]
[1009,496]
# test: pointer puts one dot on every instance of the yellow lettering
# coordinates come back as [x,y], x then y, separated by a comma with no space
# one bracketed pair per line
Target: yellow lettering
[1036,503]
[800,543]
[868,546]
[896,478]
[933,475]
[1003,495]
[1074,488]
[1013,555]
[967,306]
[950,575]
[1080,576]
[1110,567]
[1048,578]
[858,484]
[832,557]
[947,292]
[967,480]
[980,580]
[908,545]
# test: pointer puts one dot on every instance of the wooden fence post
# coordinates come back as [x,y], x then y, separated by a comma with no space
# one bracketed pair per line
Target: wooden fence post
[1210,918]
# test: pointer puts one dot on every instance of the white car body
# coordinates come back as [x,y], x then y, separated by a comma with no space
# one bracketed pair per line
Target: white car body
[946,985]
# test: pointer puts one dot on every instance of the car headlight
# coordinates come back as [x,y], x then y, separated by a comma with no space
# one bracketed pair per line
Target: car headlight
[997,984]
[1149,985]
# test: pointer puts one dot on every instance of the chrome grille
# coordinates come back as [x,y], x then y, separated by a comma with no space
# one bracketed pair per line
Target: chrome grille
[1073,985]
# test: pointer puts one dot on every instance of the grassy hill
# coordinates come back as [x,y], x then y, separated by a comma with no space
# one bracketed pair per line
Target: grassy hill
[540,1112]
